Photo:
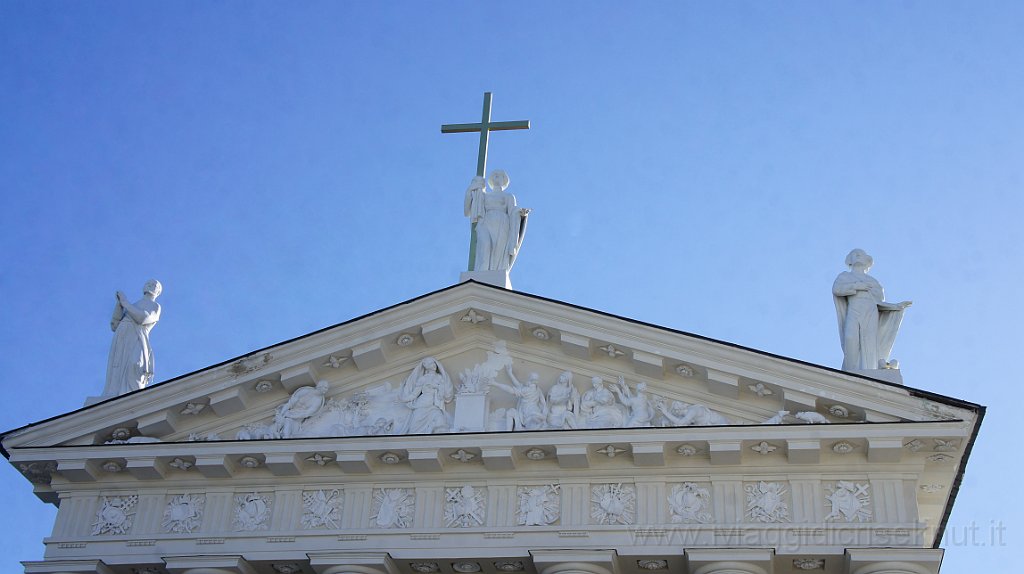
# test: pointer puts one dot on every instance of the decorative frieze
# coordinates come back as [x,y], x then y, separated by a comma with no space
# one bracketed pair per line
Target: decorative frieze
[322,509]
[689,503]
[538,505]
[613,503]
[393,507]
[766,502]
[252,512]
[115,515]
[184,513]
[465,507]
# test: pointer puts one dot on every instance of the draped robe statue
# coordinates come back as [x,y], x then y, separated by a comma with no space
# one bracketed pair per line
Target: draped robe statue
[130,363]
[500,224]
[867,324]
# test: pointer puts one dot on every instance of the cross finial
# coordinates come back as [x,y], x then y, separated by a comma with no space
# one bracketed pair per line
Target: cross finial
[485,127]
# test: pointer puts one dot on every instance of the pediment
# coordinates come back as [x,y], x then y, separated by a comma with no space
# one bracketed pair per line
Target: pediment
[260,418]
[462,325]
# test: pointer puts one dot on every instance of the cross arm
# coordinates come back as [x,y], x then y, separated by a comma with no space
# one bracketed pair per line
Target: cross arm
[491,126]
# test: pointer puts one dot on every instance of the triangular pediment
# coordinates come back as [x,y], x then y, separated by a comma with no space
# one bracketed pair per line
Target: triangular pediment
[460,326]
[260,417]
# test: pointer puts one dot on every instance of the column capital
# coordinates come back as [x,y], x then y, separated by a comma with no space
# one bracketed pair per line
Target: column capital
[893,560]
[730,560]
[575,561]
[352,563]
[208,564]
[66,567]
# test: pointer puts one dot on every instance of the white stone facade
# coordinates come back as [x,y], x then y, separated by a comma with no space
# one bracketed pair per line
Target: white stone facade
[298,458]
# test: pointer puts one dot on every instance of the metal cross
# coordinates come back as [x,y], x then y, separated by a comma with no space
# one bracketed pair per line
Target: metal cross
[485,127]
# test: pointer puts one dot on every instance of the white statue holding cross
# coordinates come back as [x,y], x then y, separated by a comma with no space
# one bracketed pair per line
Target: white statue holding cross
[498,224]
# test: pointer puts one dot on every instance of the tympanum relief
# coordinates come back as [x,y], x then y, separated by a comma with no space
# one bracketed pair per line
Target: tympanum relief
[424,403]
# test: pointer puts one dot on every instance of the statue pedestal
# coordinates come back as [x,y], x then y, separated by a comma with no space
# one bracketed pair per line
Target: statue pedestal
[887,375]
[496,278]
[471,411]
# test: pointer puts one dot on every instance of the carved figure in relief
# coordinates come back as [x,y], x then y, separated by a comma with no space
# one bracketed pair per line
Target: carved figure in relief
[425,392]
[115,515]
[252,512]
[563,403]
[689,503]
[500,224]
[598,407]
[393,508]
[321,509]
[766,502]
[867,324]
[849,501]
[685,414]
[464,507]
[184,513]
[777,419]
[130,363]
[304,403]
[812,418]
[640,410]
[613,503]
[538,505]
[531,409]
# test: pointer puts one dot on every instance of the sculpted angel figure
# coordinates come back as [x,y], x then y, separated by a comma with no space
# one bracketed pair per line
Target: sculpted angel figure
[563,403]
[867,324]
[500,224]
[640,410]
[426,391]
[531,409]
[130,363]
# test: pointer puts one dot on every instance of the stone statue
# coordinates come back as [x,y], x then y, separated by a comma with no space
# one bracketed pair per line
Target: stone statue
[867,324]
[426,392]
[130,364]
[531,411]
[563,403]
[500,224]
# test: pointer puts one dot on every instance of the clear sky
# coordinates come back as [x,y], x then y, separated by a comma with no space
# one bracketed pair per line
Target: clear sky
[702,166]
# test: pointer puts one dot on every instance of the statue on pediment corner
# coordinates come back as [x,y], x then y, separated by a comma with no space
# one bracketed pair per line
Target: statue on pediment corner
[130,363]
[867,323]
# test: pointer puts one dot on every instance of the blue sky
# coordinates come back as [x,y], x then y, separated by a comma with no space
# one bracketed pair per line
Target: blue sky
[702,166]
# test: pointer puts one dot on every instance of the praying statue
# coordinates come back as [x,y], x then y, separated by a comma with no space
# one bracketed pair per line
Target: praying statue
[500,225]
[867,324]
[130,364]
